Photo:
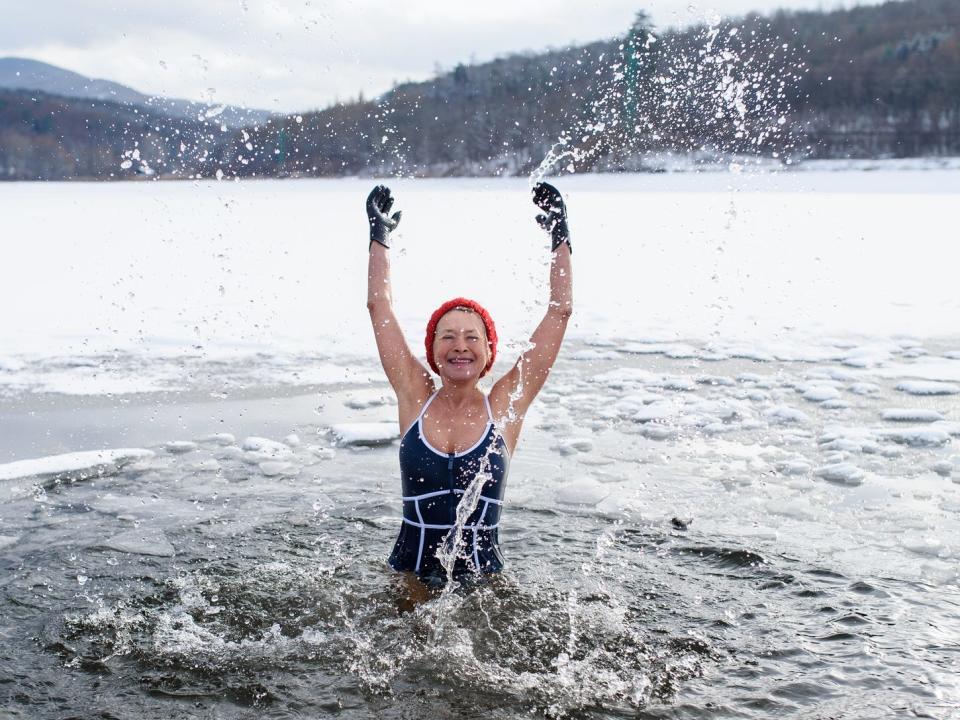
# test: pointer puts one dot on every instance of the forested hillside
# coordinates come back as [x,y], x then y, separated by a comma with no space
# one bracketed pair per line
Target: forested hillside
[866,82]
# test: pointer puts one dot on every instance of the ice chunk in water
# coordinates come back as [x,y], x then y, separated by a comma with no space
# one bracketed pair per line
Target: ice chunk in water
[180,447]
[843,473]
[943,468]
[323,453]
[928,387]
[917,437]
[72,466]
[585,491]
[366,434]
[260,449]
[218,439]
[361,400]
[948,426]
[572,446]
[793,508]
[272,468]
[259,444]
[783,414]
[864,388]
[793,467]
[658,432]
[923,545]
[657,411]
[819,393]
[910,415]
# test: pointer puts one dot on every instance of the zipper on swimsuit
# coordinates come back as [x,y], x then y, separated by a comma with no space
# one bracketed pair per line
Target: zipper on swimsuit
[453,495]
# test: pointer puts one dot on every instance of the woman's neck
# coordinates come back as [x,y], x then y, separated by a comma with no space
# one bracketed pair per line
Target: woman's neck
[457,394]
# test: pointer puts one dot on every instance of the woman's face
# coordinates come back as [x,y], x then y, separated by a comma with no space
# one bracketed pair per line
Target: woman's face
[460,346]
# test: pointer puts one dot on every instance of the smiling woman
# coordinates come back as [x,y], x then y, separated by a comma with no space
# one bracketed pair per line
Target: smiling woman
[457,441]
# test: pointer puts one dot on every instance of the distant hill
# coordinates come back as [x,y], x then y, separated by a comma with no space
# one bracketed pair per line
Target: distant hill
[25,74]
[51,137]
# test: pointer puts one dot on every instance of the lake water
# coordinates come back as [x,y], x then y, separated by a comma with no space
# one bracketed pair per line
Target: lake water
[738,495]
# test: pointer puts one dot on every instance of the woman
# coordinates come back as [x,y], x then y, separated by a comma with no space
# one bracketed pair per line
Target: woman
[457,442]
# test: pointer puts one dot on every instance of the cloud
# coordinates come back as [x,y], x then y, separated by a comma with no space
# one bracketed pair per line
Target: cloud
[302,54]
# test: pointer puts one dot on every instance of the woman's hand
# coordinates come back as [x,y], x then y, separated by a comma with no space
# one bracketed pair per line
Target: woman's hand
[554,219]
[379,203]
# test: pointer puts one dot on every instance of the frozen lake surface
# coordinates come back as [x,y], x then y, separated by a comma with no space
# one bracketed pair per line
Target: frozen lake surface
[739,493]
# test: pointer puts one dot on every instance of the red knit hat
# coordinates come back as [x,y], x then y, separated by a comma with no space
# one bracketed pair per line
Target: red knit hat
[465,304]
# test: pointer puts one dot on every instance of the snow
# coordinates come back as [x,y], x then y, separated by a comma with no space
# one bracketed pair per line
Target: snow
[204,282]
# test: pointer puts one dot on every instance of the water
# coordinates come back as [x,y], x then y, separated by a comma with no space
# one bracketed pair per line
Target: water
[691,566]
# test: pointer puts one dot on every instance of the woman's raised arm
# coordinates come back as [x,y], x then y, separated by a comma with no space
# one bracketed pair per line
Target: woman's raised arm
[514,392]
[408,377]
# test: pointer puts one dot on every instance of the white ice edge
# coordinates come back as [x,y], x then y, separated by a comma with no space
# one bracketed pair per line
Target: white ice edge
[72,466]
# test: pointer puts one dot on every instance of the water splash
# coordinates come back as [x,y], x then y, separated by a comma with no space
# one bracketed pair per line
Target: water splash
[719,96]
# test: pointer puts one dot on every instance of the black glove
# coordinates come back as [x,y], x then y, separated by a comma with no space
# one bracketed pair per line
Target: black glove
[379,202]
[554,221]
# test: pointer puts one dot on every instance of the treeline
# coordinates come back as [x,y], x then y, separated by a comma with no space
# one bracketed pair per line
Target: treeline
[866,82]
[882,81]
[47,137]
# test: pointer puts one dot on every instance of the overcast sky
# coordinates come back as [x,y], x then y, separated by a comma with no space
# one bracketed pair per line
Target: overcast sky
[288,55]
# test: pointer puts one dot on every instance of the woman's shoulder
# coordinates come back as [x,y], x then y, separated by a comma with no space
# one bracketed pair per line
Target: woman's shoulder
[411,404]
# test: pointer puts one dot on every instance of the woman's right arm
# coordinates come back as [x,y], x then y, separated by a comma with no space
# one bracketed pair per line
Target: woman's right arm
[409,378]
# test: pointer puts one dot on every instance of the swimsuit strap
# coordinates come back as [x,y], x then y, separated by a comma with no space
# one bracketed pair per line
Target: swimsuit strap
[426,405]
[486,401]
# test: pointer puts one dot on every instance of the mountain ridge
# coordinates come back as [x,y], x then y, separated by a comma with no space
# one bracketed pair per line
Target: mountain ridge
[18,73]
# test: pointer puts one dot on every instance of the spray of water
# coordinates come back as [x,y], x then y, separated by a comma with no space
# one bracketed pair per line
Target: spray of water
[718,96]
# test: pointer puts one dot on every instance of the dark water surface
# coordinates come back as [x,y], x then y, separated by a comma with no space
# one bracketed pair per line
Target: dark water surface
[207,582]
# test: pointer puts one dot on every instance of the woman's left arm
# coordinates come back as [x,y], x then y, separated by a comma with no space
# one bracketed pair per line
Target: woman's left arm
[515,391]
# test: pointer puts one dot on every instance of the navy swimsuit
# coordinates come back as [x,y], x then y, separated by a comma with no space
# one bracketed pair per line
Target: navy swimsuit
[433,483]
